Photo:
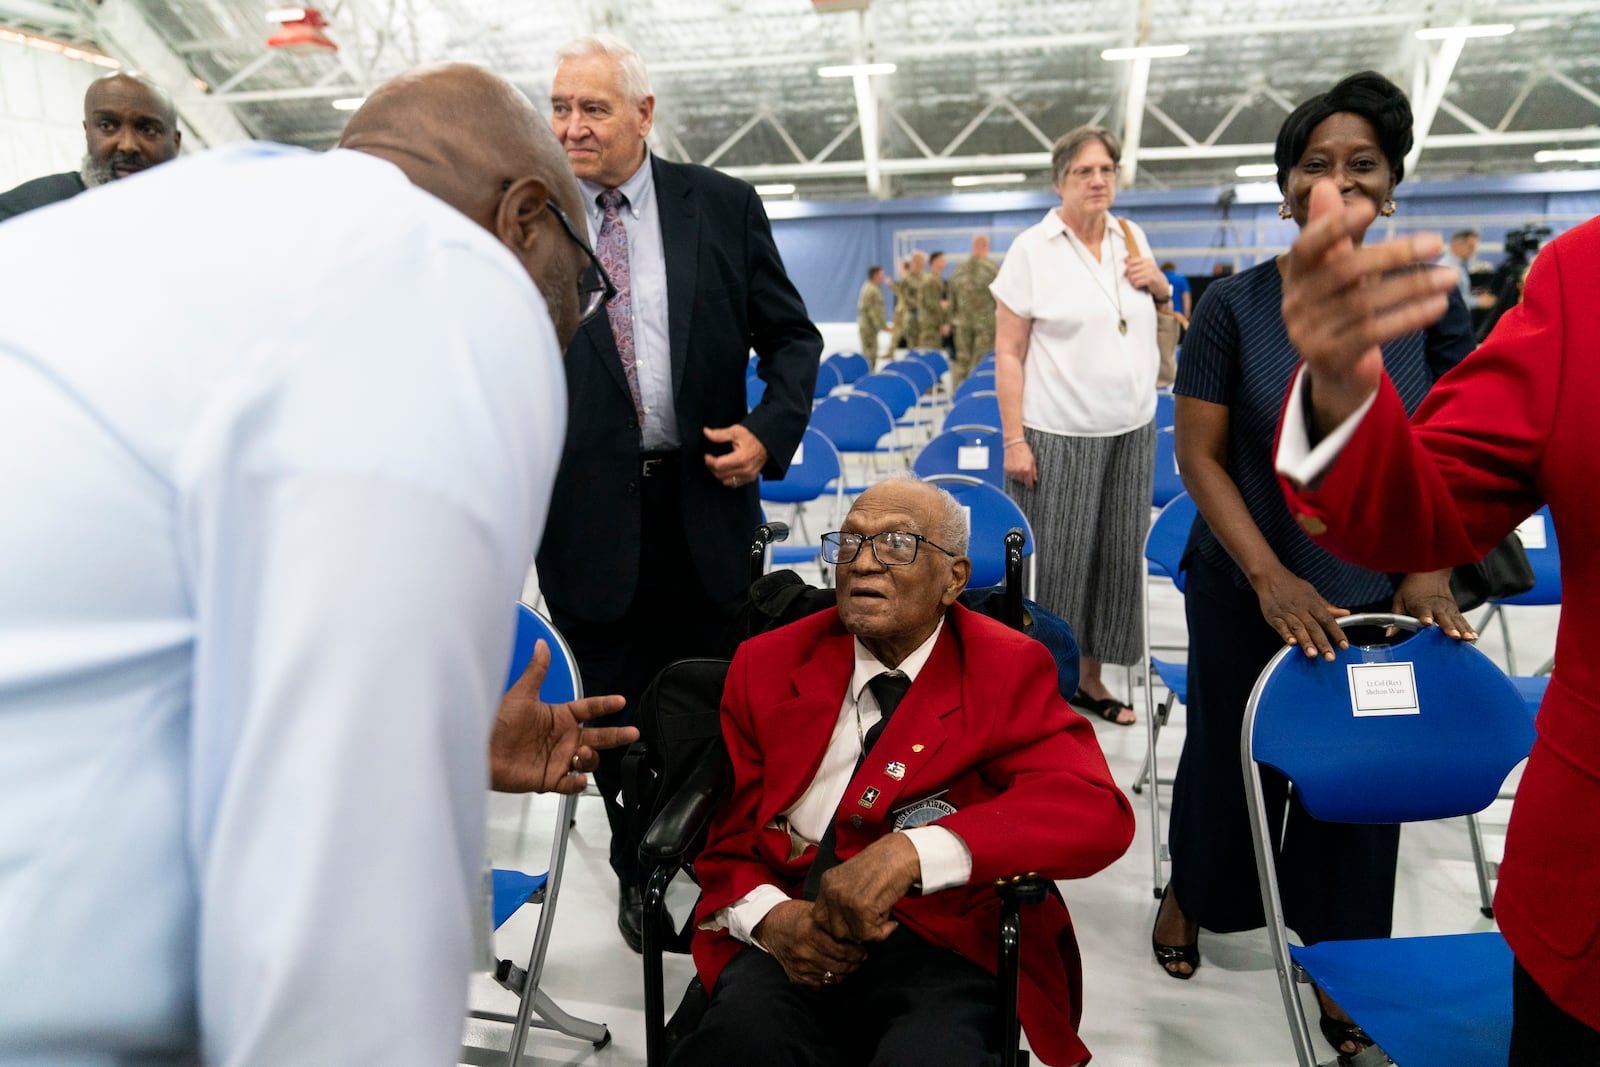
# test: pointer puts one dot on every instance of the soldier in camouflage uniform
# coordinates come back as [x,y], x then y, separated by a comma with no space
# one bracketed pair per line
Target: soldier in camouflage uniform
[905,301]
[933,323]
[870,316]
[972,308]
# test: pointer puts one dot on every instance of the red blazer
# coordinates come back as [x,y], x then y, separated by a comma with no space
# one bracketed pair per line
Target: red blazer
[1513,426]
[984,721]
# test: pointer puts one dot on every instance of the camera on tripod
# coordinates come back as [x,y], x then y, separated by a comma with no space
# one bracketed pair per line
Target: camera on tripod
[1522,244]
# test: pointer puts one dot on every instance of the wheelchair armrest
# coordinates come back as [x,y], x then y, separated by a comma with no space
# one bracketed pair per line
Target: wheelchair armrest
[1022,889]
[676,827]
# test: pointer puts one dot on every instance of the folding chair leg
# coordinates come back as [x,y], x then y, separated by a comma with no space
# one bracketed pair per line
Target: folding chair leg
[534,1000]
[1481,864]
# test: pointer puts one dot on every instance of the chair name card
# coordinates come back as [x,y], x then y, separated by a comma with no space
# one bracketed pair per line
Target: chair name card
[1532,532]
[1382,689]
[966,509]
[799,455]
[972,458]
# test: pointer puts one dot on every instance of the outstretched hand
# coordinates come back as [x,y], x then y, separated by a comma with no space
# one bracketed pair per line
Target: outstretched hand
[543,748]
[1341,301]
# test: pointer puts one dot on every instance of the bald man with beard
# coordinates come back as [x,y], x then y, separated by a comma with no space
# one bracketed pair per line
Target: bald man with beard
[129,125]
[261,561]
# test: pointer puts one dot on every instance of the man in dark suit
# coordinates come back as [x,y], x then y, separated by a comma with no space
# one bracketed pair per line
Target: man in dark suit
[128,124]
[644,556]
[926,751]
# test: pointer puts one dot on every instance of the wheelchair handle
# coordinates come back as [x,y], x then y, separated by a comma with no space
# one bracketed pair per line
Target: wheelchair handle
[767,533]
[1381,618]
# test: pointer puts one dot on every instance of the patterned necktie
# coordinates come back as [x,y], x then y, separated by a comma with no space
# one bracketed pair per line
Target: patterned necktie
[888,688]
[612,248]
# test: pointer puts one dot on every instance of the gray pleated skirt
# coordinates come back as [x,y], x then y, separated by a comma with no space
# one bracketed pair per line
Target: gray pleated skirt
[1090,510]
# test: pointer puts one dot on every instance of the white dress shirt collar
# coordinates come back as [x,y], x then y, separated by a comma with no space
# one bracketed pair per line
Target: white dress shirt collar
[639,191]
[869,666]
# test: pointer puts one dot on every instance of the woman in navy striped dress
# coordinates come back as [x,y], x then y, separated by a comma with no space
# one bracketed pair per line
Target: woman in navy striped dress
[1255,581]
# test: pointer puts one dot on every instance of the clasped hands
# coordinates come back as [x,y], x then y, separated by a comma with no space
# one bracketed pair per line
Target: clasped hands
[818,943]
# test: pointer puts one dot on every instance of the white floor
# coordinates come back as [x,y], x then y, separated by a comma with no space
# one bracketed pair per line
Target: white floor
[1229,1015]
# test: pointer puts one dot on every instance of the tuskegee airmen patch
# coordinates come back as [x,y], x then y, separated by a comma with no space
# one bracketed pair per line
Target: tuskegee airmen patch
[922,813]
[869,798]
[895,769]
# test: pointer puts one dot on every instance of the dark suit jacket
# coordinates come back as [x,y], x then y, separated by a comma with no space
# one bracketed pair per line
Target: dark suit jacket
[984,728]
[1513,426]
[39,192]
[726,294]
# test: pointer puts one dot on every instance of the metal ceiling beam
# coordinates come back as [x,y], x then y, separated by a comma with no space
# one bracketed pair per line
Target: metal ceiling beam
[125,33]
[1441,67]
[44,16]
[1462,117]
[1176,153]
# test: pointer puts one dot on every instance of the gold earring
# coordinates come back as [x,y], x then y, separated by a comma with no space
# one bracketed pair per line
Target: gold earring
[1283,210]
[1387,209]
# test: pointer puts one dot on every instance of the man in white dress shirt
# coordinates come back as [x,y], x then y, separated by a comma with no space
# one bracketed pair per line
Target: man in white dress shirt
[271,489]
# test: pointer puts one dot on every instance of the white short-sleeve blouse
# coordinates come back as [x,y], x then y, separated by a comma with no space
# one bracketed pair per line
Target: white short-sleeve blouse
[1083,376]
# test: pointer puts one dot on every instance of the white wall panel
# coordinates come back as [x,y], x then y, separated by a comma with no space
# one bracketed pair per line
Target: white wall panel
[41,112]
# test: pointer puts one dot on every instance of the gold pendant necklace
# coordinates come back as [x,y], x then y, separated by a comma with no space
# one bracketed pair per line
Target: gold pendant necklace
[1091,265]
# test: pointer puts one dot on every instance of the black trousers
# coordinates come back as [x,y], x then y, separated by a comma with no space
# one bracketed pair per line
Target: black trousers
[909,1005]
[1543,1035]
[1337,879]
[671,618]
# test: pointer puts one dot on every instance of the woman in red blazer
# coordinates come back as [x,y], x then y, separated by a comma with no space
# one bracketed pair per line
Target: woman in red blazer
[1508,430]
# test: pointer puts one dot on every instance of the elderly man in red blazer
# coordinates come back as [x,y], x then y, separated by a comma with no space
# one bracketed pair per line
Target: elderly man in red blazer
[1510,428]
[912,807]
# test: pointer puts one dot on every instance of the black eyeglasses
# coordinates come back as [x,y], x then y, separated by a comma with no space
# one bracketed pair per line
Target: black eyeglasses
[594,284]
[892,548]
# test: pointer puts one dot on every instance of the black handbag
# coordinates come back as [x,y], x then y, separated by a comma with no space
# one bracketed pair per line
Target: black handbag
[1504,571]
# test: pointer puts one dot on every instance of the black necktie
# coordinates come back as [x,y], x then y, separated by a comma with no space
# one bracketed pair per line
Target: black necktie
[888,689]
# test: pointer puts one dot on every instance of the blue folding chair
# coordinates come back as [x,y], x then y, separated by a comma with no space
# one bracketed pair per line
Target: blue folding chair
[1167,485]
[990,514]
[934,360]
[857,424]
[1427,728]
[896,392]
[1538,535]
[1165,410]
[815,472]
[1163,554]
[827,381]
[975,451]
[754,390]
[512,889]
[919,374]
[849,365]
[977,382]
[986,364]
[976,409]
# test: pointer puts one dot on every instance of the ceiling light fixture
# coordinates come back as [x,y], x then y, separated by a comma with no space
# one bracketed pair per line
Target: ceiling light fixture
[349,103]
[1446,33]
[1568,155]
[775,189]
[847,70]
[962,181]
[1256,170]
[1146,51]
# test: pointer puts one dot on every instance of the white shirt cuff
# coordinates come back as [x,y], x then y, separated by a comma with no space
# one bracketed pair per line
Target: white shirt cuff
[946,860]
[745,914]
[1297,460]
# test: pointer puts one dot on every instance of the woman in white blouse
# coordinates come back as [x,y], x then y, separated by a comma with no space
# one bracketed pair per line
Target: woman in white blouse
[1076,362]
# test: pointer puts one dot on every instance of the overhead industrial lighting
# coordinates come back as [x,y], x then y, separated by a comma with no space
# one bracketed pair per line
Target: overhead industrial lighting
[1146,51]
[1256,170]
[775,189]
[61,48]
[848,70]
[1447,33]
[1568,155]
[349,103]
[286,14]
[961,181]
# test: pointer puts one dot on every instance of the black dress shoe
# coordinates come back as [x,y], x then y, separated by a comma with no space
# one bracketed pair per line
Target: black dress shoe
[630,916]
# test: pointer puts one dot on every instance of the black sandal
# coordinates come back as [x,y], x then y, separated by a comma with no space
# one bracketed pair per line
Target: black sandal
[1338,1032]
[1109,709]
[1167,955]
